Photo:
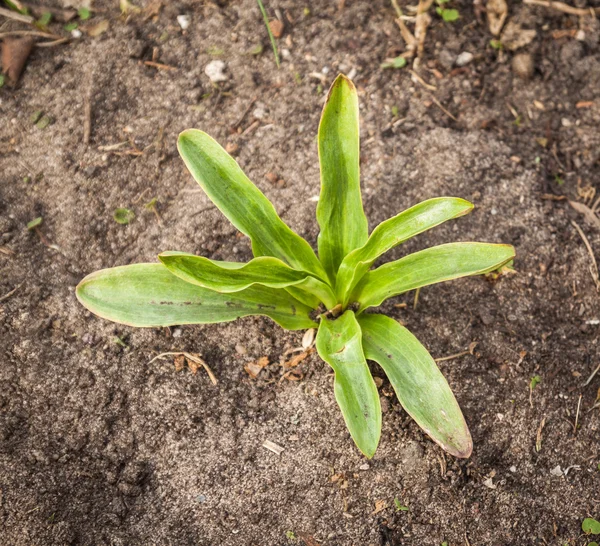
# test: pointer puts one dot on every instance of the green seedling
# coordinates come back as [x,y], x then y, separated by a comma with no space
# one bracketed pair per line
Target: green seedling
[263,12]
[288,283]
[590,526]
[123,216]
[447,14]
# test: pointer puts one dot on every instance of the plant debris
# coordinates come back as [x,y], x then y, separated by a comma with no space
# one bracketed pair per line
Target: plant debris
[254,368]
[15,52]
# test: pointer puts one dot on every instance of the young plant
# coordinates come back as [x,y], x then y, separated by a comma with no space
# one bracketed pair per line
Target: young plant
[288,283]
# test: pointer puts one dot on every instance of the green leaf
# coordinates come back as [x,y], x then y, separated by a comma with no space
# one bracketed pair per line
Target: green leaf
[148,295]
[2,80]
[123,216]
[339,344]
[84,14]
[243,203]
[45,19]
[394,231]
[420,386]
[590,526]
[269,32]
[35,223]
[430,266]
[232,277]
[396,62]
[448,15]
[340,211]
[399,506]
[534,381]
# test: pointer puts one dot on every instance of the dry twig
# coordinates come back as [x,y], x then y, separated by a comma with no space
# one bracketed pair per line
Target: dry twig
[594,265]
[565,8]
[195,358]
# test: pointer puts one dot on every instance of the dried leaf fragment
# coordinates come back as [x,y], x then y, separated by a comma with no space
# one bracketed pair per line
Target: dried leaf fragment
[497,11]
[15,52]
[179,363]
[276,27]
[254,368]
[98,29]
[514,37]
[380,505]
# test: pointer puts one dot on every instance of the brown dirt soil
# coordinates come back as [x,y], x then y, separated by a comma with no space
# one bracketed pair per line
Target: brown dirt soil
[97,446]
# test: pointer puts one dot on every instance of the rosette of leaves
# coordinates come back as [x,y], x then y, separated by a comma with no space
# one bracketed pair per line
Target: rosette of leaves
[333,292]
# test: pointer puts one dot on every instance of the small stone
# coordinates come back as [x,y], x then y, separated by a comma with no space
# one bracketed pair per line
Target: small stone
[184,21]
[177,332]
[566,122]
[215,71]
[259,112]
[556,471]
[446,59]
[240,349]
[364,466]
[522,65]
[464,58]
[513,469]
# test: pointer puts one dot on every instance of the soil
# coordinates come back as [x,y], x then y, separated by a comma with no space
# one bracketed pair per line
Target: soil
[98,445]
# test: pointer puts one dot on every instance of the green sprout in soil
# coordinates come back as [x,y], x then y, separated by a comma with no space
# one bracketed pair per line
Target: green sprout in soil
[287,282]
[447,14]
[123,216]
[590,526]
[263,12]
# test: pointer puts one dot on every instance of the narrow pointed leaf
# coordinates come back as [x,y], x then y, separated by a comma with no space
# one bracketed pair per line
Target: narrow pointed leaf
[148,295]
[340,211]
[394,231]
[230,277]
[243,203]
[430,266]
[420,386]
[339,344]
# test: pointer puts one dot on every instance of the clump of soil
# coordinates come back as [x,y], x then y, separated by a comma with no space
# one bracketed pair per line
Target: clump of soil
[97,446]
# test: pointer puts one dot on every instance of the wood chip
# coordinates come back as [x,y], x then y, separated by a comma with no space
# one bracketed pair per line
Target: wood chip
[584,104]
[254,368]
[272,446]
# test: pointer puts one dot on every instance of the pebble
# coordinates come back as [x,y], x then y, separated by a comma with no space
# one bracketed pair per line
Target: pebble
[464,58]
[177,332]
[364,466]
[522,65]
[556,471]
[215,71]
[184,21]
[513,469]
